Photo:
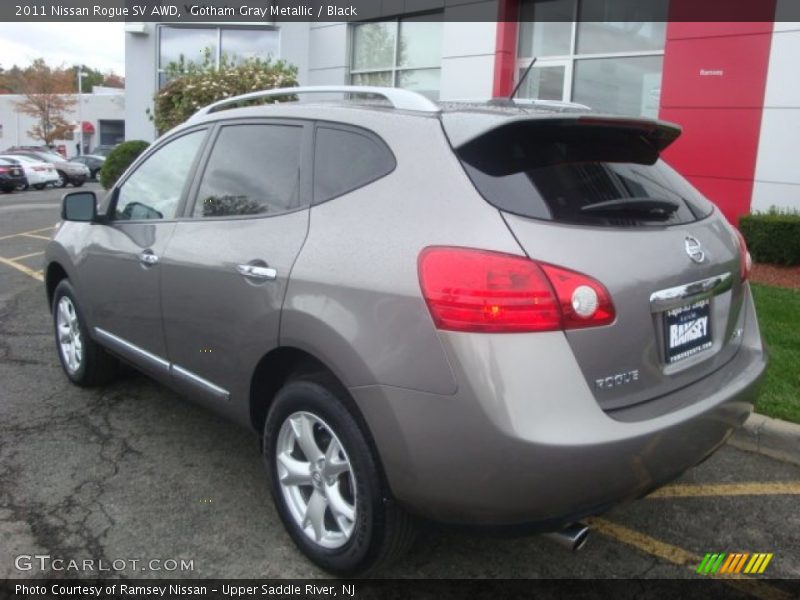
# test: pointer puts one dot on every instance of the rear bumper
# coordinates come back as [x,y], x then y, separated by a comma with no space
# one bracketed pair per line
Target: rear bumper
[528,443]
[12,182]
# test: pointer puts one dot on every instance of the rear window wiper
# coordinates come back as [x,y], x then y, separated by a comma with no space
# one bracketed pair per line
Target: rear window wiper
[654,207]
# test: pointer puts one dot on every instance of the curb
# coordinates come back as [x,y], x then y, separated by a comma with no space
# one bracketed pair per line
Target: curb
[770,437]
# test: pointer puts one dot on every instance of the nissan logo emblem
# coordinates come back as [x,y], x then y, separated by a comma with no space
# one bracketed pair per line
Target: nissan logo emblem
[694,249]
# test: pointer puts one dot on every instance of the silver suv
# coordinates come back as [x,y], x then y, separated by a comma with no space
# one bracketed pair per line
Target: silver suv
[488,314]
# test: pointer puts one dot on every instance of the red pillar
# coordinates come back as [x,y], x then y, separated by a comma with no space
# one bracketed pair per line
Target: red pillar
[505,55]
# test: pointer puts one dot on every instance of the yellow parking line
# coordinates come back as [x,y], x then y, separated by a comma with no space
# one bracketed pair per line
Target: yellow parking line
[679,556]
[34,235]
[24,256]
[755,488]
[22,269]
[13,235]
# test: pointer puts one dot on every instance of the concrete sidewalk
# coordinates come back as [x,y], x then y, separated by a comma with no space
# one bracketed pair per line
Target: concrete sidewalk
[771,437]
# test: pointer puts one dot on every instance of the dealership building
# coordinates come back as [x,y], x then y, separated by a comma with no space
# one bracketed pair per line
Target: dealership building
[732,86]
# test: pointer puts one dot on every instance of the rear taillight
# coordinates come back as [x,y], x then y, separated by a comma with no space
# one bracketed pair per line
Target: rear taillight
[483,291]
[585,302]
[745,261]
[5,170]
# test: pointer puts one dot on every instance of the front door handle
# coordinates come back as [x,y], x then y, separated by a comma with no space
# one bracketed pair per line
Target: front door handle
[257,272]
[148,259]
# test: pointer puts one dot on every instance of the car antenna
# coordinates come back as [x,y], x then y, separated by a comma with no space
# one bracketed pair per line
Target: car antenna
[510,100]
[521,79]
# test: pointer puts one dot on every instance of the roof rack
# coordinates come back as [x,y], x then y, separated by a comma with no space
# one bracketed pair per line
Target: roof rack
[399,98]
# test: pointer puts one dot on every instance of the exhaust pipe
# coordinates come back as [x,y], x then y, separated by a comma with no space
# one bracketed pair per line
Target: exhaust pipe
[572,537]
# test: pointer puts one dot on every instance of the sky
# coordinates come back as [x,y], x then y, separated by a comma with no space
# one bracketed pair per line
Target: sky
[97,45]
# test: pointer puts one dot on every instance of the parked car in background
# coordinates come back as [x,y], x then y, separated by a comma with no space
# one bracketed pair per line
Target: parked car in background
[487,314]
[103,149]
[38,174]
[92,161]
[12,176]
[68,172]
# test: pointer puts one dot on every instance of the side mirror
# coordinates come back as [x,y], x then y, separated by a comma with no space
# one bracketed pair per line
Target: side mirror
[79,206]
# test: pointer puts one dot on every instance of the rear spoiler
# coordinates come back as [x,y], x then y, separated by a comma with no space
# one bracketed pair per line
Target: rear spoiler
[520,144]
[658,134]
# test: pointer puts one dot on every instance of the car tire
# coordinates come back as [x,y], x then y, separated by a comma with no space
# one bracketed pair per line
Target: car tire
[358,525]
[78,183]
[7,190]
[84,361]
[62,180]
[39,186]
[95,173]
[24,187]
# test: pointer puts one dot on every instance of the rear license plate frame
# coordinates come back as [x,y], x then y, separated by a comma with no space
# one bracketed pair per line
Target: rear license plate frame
[687,330]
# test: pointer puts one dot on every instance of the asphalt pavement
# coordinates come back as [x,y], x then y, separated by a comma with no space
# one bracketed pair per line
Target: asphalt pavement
[132,472]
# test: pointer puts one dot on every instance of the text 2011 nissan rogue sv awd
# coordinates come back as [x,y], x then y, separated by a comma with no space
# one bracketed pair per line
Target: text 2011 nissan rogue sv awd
[487,314]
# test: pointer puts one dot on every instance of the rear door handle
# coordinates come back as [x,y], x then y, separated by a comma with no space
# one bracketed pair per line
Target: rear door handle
[148,259]
[257,272]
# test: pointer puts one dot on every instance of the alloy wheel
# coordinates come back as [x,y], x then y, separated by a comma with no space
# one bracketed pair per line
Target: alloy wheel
[316,479]
[70,342]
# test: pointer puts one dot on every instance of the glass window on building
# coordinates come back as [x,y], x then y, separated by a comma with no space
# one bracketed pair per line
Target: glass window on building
[194,43]
[607,54]
[405,53]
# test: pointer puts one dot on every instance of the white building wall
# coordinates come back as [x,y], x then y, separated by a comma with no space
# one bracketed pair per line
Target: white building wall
[777,179]
[140,81]
[467,57]
[468,51]
[321,51]
[95,107]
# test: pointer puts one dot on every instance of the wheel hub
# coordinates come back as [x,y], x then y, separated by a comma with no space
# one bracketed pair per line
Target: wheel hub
[68,330]
[316,479]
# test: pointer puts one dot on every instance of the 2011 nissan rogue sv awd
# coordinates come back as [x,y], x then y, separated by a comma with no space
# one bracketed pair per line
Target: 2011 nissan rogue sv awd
[486,314]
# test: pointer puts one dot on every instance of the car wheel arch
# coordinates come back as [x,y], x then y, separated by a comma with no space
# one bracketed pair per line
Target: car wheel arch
[54,274]
[285,363]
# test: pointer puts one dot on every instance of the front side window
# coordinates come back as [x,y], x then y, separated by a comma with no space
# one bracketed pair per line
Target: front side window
[406,53]
[155,188]
[252,170]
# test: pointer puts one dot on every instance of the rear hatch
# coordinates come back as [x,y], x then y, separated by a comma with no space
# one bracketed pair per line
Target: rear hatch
[590,194]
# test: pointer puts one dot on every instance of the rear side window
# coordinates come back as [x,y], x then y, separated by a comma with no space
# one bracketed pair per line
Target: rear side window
[252,170]
[346,159]
[581,175]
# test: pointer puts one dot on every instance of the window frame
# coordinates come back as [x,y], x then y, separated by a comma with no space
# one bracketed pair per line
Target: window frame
[569,60]
[355,129]
[211,26]
[113,196]
[394,69]
[305,190]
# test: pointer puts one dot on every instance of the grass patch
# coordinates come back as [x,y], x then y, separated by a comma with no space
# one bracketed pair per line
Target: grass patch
[779,316]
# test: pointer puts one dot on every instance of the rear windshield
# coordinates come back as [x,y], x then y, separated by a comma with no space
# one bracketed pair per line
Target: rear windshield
[593,175]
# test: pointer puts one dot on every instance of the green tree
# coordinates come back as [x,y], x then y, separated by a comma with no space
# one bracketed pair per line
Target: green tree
[194,85]
[91,78]
[120,159]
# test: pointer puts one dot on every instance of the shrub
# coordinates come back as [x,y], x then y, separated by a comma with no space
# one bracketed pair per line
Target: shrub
[120,159]
[194,85]
[773,237]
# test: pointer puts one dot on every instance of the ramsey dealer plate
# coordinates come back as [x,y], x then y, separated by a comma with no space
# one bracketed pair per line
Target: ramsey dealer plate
[687,330]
